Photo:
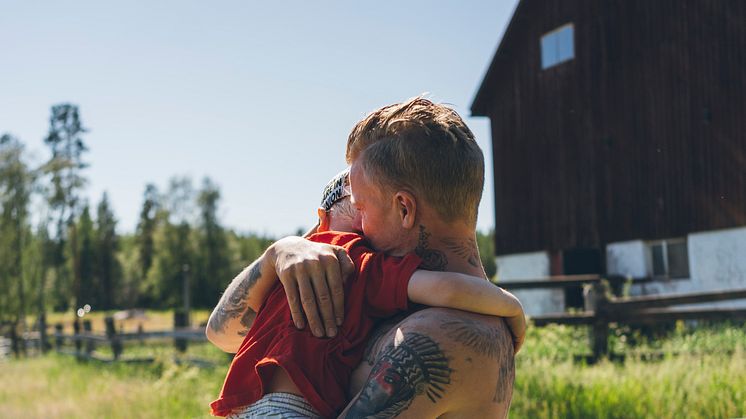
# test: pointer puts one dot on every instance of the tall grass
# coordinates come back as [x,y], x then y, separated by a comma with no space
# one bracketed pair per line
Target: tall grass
[60,387]
[700,374]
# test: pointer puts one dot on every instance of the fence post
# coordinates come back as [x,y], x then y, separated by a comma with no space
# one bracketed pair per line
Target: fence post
[58,336]
[140,331]
[76,336]
[111,334]
[600,331]
[43,341]
[180,321]
[89,343]
[15,341]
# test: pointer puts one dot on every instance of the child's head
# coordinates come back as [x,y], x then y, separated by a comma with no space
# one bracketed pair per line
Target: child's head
[336,211]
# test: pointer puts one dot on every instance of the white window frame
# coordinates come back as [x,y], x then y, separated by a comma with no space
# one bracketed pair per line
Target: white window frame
[664,244]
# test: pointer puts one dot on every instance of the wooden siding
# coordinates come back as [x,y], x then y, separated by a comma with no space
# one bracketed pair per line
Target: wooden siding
[641,136]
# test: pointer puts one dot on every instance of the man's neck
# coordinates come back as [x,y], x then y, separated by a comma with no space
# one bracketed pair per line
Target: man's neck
[448,248]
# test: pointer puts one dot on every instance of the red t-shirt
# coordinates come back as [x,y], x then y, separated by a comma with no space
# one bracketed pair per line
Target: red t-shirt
[321,368]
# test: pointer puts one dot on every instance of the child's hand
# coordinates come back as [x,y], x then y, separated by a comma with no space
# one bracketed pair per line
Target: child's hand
[517,325]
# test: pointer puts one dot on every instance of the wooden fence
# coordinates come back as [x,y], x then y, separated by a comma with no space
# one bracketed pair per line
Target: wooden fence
[83,342]
[608,307]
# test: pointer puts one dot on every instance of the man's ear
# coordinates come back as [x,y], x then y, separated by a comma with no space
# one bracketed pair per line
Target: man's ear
[406,205]
[323,220]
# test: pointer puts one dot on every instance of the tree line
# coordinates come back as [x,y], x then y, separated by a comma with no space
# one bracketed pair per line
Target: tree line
[68,253]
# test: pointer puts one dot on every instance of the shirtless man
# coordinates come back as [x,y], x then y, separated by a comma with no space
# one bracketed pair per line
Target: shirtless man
[417,176]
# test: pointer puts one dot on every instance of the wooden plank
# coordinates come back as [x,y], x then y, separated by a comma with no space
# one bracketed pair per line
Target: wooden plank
[549,282]
[190,334]
[652,316]
[650,301]
[562,281]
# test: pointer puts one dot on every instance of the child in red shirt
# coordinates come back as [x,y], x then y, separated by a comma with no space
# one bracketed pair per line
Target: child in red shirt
[319,368]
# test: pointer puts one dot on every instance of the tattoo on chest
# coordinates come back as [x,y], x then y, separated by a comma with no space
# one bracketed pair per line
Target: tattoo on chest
[413,365]
[464,248]
[432,259]
[491,342]
[234,301]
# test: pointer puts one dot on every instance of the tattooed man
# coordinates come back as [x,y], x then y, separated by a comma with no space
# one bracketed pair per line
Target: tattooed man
[417,176]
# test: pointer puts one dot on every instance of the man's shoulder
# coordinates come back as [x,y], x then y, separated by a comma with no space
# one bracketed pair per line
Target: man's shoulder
[465,363]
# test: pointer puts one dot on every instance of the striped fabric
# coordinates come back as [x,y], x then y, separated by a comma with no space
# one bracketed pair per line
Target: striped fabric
[276,405]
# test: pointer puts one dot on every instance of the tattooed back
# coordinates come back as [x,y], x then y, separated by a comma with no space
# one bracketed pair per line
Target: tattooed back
[452,362]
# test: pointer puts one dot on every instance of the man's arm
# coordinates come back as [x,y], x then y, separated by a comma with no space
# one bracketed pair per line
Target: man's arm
[470,293]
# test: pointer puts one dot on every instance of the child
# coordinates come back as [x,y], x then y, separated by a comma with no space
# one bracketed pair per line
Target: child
[280,370]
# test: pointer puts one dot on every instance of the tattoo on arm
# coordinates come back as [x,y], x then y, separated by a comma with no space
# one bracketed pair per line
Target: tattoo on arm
[375,341]
[433,260]
[414,364]
[491,342]
[464,248]
[234,302]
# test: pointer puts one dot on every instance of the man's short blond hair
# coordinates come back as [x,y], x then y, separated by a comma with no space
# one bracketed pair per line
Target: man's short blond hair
[425,148]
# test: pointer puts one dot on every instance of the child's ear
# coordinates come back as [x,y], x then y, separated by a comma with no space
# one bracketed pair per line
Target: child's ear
[406,205]
[323,220]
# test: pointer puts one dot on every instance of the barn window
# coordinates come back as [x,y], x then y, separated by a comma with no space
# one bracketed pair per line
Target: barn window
[669,258]
[557,46]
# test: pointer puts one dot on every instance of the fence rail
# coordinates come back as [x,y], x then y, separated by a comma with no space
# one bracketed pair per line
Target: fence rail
[605,308]
[562,281]
[85,340]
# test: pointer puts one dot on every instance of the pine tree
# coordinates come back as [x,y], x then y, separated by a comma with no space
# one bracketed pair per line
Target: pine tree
[15,192]
[214,271]
[146,228]
[64,168]
[88,290]
[109,271]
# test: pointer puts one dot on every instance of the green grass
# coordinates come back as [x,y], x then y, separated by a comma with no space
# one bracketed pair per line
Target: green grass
[58,386]
[700,374]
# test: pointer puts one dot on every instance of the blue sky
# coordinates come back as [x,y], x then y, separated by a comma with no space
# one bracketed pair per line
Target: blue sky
[258,96]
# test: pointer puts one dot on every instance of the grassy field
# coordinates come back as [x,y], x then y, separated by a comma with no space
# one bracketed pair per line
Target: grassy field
[697,373]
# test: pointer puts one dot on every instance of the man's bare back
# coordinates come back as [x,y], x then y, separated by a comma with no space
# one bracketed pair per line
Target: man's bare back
[436,363]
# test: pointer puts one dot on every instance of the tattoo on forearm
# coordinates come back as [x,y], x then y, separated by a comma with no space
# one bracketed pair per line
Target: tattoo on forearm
[464,248]
[491,342]
[432,259]
[234,302]
[411,366]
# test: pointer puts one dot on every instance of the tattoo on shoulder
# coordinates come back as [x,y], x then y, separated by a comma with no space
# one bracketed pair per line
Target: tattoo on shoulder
[464,248]
[432,259]
[234,302]
[376,341]
[413,365]
[481,338]
[491,342]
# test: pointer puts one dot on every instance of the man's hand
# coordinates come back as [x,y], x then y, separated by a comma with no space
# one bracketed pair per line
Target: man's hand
[313,276]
